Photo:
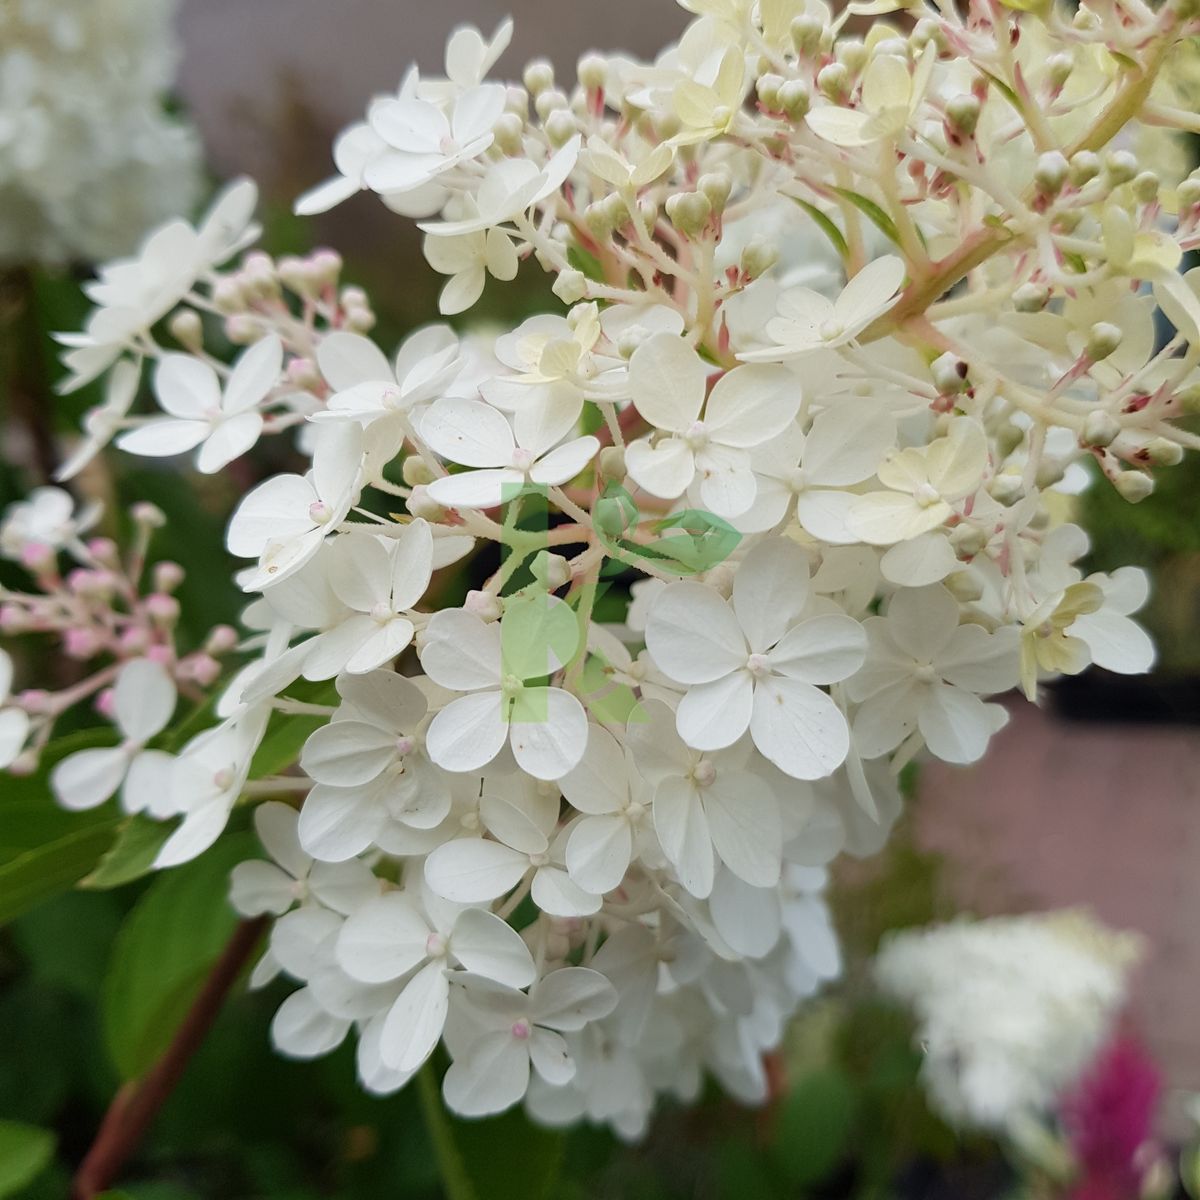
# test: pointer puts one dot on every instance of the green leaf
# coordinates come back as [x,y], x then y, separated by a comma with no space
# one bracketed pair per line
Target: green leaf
[828,228]
[165,948]
[25,1151]
[814,1127]
[66,941]
[132,854]
[872,212]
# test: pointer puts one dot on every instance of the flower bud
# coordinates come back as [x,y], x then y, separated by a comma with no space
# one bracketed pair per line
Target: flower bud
[1100,429]
[303,373]
[1050,471]
[834,82]
[570,286]
[548,102]
[420,504]
[592,71]
[161,608]
[851,53]
[552,571]
[415,471]
[326,266]
[1008,439]
[516,101]
[795,98]
[359,319]
[1031,297]
[187,329]
[949,375]
[227,295]
[241,329]
[963,586]
[715,186]
[767,89]
[1051,172]
[221,640]
[1162,452]
[1188,194]
[1188,398]
[538,76]
[1058,69]
[149,515]
[962,116]
[1103,339]
[560,127]
[1006,488]
[1085,166]
[612,463]
[647,212]
[967,540]
[508,131]
[1120,166]
[758,256]
[1134,486]
[807,32]
[483,604]
[689,212]
[168,576]
[1145,187]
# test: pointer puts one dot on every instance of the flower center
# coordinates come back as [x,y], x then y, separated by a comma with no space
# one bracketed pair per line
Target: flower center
[926,495]
[521,1030]
[381,613]
[926,673]
[696,436]
[404,744]
[538,860]
[831,329]
[319,513]
[758,665]
[796,480]
[435,946]
[704,773]
[522,459]
[223,778]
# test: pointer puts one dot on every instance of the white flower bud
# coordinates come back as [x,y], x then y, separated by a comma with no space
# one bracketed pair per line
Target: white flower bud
[1006,488]
[851,53]
[187,329]
[592,71]
[1134,486]
[967,540]
[795,98]
[1051,172]
[1100,429]
[227,295]
[1031,297]
[1085,166]
[241,329]
[767,88]
[758,256]
[1103,339]
[1120,166]
[807,33]
[549,101]
[415,471]
[612,463]
[949,374]
[483,604]
[964,586]
[1058,68]
[539,75]
[508,132]
[552,571]
[1162,452]
[1145,187]
[420,505]
[1188,194]
[688,212]
[560,127]
[834,82]
[571,286]
[715,186]
[962,116]
[359,319]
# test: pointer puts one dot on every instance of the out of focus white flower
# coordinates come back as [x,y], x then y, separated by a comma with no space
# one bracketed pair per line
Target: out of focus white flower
[1010,1010]
[89,158]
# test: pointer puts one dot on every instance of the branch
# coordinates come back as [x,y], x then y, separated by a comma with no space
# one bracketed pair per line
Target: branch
[136,1104]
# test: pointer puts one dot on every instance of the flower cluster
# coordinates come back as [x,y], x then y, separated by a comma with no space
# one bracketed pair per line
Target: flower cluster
[89,157]
[845,318]
[1011,1011]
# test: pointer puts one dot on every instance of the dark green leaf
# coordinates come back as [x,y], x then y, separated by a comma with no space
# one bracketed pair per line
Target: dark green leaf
[828,228]
[132,853]
[814,1127]
[66,941]
[167,945]
[25,1151]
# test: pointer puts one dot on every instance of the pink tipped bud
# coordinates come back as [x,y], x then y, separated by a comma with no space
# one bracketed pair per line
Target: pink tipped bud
[221,640]
[103,550]
[483,605]
[82,643]
[168,576]
[134,641]
[106,704]
[161,608]
[203,668]
[160,654]
[37,558]
[149,515]
[35,701]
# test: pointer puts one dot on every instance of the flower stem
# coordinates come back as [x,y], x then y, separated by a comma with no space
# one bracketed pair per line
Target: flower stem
[456,1182]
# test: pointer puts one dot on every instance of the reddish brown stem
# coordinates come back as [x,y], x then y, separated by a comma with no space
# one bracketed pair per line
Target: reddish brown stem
[135,1106]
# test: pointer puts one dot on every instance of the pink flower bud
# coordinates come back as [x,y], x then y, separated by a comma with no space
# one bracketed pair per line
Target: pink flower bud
[158,653]
[221,640]
[105,704]
[202,668]
[161,608]
[35,701]
[168,576]
[37,558]
[82,643]
[134,641]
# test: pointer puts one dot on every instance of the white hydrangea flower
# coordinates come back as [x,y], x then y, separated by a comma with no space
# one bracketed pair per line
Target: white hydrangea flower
[755,664]
[14,722]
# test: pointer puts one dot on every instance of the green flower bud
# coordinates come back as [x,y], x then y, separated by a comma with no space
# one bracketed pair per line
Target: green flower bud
[1031,297]
[1134,486]
[807,32]
[1162,452]
[1120,166]
[834,82]
[415,471]
[1103,339]
[592,71]
[689,212]
[539,75]
[795,98]
[715,186]
[1085,166]
[1051,172]
[1100,429]
[962,115]
[758,257]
